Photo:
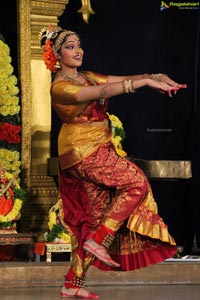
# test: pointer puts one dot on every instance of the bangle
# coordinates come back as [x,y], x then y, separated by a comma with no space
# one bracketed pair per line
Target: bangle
[156,77]
[128,88]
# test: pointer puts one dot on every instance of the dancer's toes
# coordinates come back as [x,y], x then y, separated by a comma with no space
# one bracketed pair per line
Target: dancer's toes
[100,252]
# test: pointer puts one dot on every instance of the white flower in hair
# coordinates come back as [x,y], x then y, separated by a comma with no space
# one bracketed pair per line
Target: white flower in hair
[47,33]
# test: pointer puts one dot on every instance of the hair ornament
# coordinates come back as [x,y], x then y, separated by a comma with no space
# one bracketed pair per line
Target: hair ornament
[60,38]
[49,32]
[49,56]
[46,36]
[51,41]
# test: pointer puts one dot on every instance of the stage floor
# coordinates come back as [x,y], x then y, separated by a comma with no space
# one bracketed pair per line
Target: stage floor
[171,280]
[43,274]
[167,292]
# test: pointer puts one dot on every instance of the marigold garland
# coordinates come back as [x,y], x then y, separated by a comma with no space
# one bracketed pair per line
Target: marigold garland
[56,230]
[9,113]
[118,134]
[10,110]
[10,133]
[9,160]
[9,219]
[49,56]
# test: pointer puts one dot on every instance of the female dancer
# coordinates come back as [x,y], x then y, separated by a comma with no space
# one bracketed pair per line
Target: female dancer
[108,205]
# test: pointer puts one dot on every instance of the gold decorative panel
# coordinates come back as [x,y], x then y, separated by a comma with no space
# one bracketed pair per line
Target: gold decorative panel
[35,82]
[42,14]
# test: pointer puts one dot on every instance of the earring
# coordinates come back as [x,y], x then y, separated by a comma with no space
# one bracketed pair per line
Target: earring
[57,65]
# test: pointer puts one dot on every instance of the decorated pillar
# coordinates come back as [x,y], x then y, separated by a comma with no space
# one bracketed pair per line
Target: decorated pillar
[36,111]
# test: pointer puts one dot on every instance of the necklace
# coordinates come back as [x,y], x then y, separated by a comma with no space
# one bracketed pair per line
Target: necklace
[74,80]
[69,76]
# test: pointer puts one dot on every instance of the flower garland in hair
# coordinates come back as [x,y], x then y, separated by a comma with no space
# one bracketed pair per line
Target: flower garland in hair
[46,37]
[51,40]
[49,56]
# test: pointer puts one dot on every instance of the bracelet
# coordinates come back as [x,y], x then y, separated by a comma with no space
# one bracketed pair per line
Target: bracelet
[128,88]
[156,77]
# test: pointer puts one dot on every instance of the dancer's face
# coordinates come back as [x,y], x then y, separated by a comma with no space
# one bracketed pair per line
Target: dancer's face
[71,54]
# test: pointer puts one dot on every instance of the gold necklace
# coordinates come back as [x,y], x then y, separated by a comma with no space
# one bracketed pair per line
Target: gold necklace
[88,79]
[73,78]
[68,76]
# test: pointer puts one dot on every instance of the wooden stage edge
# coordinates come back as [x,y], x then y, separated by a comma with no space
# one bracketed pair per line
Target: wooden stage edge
[44,274]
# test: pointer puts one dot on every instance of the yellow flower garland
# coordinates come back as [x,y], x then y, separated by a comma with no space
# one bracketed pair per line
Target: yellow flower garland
[53,221]
[14,214]
[9,106]
[9,160]
[117,139]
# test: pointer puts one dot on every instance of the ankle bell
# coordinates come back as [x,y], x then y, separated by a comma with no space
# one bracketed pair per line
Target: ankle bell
[73,281]
[78,282]
[104,236]
[108,240]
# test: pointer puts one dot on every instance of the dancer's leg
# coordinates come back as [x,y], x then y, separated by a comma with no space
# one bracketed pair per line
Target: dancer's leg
[131,186]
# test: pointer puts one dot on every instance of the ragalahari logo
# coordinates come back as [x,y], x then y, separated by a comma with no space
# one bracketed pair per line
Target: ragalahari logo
[164,5]
[179,5]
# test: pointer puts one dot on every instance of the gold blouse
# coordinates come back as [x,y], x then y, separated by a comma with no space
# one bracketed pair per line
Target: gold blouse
[85,125]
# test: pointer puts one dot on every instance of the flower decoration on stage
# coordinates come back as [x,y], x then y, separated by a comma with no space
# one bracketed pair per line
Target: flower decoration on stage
[118,134]
[10,133]
[10,129]
[58,232]
[11,200]
[8,89]
[10,160]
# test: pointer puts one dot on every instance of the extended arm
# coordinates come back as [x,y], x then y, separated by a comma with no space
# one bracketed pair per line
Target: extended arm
[117,85]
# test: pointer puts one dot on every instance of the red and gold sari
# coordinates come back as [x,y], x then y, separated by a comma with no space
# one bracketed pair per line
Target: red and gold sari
[98,186]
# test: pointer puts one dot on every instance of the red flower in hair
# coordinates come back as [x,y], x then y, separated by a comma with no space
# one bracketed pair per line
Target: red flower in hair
[49,56]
